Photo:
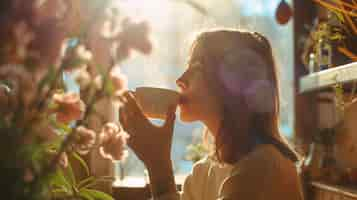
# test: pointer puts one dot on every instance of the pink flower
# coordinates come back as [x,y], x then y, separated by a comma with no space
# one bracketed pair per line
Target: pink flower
[134,35]
[119,80]
[85,140]
[76,57]
[63,162]
[113,149]
[83,78]
[113,141]
[108,130]
[101,48]
[83,53]
[70,107]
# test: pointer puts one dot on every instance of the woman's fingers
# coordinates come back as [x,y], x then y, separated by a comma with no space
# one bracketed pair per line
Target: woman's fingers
[133,106]
[128,121]
[121,99]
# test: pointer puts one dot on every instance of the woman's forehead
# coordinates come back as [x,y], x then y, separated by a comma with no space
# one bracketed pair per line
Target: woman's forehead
[194,62]
[197,51]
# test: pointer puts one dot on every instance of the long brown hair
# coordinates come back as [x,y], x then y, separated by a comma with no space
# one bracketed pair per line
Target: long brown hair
[248,87]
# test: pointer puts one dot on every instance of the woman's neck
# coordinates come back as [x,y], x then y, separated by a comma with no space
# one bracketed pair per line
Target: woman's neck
[213,125]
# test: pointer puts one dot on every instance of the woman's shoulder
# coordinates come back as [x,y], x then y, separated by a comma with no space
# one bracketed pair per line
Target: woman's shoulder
[266,161]
[264,168]
[201,165]
[265,155]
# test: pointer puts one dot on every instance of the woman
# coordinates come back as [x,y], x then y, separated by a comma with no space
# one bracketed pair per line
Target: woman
[231,86]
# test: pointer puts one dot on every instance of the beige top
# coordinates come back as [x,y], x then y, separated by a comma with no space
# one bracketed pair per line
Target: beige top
[263,174]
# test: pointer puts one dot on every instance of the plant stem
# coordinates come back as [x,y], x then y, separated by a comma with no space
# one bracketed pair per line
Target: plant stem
[347,53]
[341,2]
[333,7]
[348,18]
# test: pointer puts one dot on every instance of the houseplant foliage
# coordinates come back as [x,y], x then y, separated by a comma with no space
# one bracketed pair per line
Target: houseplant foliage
[340,29]
[41,122]
[347,15]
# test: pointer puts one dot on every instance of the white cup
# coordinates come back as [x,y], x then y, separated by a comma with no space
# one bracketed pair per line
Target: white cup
[155,102]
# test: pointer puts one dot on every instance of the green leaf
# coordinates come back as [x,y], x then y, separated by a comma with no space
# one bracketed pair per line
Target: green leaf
[109,88]
[100,70]
[86,182]
[53,106]
[98,195]
[53,145]
[60,181]
[340,16]
[85,195]
[62,128]
[70,174]
[96,180]
[59,191]
[81,161]
[107,84]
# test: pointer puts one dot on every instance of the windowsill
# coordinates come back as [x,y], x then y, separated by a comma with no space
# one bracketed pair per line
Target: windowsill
[135,187]
[140,181]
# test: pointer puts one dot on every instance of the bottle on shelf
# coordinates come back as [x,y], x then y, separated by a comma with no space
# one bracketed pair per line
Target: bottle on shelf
[312,63]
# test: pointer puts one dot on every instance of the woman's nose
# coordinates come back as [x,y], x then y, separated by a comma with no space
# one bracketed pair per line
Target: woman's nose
[182,83]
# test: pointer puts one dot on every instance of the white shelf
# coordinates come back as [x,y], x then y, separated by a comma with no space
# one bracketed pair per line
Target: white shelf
[326,78]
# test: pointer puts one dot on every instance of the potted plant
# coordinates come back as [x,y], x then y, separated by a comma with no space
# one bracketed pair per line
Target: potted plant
[44,125]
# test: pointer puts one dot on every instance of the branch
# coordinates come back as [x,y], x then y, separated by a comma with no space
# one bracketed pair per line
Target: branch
[348,18]
[333,7]
[71,135]
[347,53]
[341,2]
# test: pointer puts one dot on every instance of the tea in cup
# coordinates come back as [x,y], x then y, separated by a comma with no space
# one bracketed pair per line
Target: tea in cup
[155,102]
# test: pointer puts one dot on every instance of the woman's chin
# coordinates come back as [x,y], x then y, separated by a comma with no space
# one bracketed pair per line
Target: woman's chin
[186,119]
[186,116]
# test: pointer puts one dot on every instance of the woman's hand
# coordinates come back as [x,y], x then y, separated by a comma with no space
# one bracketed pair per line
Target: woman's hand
[151,143]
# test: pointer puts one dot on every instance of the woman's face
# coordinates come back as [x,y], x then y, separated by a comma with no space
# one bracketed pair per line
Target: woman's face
[197,101]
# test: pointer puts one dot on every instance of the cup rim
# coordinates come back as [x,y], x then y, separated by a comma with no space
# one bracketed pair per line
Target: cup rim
[157,88]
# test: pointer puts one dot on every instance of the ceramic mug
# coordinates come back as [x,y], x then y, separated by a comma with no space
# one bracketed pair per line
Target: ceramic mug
[155,102]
